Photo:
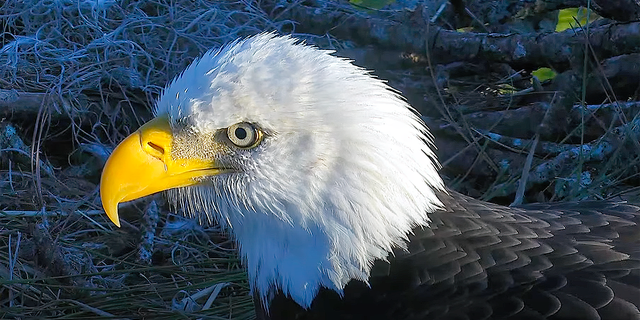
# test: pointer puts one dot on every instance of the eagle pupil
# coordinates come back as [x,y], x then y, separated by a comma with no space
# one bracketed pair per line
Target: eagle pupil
[240,133]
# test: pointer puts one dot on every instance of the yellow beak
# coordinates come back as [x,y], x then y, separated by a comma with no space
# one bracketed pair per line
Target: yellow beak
[142,164]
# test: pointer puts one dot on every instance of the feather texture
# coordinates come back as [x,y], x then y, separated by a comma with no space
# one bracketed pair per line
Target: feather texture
[574,260]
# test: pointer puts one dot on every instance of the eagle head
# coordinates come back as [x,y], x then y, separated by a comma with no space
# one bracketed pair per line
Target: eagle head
[315,167]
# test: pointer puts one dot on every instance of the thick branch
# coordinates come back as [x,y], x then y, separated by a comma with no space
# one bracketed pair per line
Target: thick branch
[413,34]
[620,10]
[488,12]
[15,102]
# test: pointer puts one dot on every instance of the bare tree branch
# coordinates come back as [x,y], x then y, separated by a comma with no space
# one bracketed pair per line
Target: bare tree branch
[411,32]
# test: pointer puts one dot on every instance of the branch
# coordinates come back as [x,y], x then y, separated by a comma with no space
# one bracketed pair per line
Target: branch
[620,10]
[414,34]
[568,160]
[494,15]
[14,102]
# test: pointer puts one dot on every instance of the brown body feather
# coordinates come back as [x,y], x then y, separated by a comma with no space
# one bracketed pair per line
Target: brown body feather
[571,260]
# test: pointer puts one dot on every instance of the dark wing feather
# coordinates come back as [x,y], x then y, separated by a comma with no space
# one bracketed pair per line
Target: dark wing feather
[572,260]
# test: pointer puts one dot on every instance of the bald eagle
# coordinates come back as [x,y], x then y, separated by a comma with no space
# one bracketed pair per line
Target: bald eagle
[327,180]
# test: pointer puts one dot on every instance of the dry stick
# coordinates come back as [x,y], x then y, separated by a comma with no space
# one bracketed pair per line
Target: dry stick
[522,186]
[10,141]
[13,258]
[91,309]
[149,233]
[597,150]
[16,102]
[519,50]
[42,213]
[621,10]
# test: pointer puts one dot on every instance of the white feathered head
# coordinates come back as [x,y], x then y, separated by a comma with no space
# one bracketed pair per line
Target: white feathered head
[314,166]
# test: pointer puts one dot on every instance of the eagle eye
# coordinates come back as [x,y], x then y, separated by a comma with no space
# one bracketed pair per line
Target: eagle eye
[244,135]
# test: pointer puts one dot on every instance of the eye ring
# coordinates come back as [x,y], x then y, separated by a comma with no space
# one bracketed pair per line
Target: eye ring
[244,135]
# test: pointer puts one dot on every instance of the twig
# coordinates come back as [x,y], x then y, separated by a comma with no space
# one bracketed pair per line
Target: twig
[522,185]
[594,151]
[149,230]
[10,141]
[42,213]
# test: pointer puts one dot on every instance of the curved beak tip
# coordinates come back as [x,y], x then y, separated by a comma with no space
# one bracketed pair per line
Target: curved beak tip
[111,209]
[116,221]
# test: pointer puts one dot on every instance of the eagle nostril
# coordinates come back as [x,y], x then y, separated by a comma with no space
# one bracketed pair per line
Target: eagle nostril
[158,151]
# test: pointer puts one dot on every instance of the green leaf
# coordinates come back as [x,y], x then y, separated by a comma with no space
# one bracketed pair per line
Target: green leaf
[544,74]
[465,29]
[567,18]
